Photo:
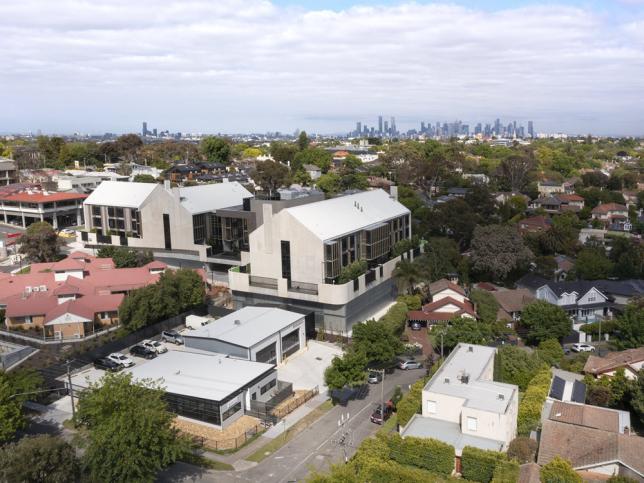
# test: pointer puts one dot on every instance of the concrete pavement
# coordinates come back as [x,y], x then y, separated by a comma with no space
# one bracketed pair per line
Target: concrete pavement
[315,448]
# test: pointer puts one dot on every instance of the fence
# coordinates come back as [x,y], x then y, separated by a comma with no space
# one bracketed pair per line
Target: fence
[228,444]
[12,354]
[284,409]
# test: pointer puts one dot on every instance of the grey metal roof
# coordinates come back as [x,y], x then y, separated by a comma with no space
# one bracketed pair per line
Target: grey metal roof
[206,376]
[461,376]
[211,197]
[254,325]
[448,432]
[607,287]
[121,193]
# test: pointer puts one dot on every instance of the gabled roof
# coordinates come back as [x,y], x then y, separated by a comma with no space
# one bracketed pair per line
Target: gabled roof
[570,197]
[607,287]
[606,207]
[121,193]
[590,416]
[613,360]
[210,197]
[513,300]
[350,213]
[444,284]
[440,304]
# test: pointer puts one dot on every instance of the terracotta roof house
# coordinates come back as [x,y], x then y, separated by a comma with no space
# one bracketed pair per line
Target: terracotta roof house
[444,288]
[597,441]
[534,224]
[610,213]
[511,303]
[631,360]
[71,298]
[443,309]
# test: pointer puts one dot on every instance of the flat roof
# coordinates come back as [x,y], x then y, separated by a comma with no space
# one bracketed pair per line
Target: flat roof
[447,432]
[255,325]
[470,360]
[121,193]
[329,219]
[206,376]
[209,197]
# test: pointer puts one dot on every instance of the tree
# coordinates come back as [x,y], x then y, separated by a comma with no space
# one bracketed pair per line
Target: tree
[39,459]
[375,341]
[40,243]
[631,325]
[144,178]
[128,146]
[124,257]
[216,149]
[319,157]
[559,470]
[523,449]
[464,329]
[270,175]
[131,437]
[456,219]
[550,352]
[637,396]
[515,170]
[302,141]
[486,305]
[283,152]
[330,183]
[515,365]
[593,264]
[346,371]
[498,250]
[545,321]
[11,417]
[407,275]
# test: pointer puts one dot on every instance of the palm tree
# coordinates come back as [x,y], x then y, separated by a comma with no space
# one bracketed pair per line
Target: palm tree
[407,275]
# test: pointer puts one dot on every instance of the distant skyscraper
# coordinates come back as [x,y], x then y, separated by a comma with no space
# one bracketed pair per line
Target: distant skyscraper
[154,132]
[358,128]
[393,126]
[530,129]
[422,126]
[379,124]
[386,131]
[144,130]
[497,127]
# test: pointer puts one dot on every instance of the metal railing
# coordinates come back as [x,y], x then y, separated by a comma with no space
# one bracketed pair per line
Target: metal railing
[263,282]
[303,287]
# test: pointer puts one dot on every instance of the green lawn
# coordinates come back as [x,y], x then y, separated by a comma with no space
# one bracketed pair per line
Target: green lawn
[277,443]
[203,462]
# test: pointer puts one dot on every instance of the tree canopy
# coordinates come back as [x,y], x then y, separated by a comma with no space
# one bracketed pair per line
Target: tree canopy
[40,243]
[216,149]
[545,321]
[375,341]
[39,459]
[270,175]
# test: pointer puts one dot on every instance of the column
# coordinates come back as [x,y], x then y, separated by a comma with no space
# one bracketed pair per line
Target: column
[55,221]
[79,219]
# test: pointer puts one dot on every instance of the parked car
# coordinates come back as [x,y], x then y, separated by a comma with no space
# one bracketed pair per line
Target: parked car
[172,336]
[67,233]
[377,416]
[415,326]
[406,364]
[155,346]
[374,377]
[122,360]
[579,347]
[143,351]
[106,364]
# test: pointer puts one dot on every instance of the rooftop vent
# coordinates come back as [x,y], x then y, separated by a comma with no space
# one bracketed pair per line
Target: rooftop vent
[465,378]
[470,349]
[501,397]
[237,322]
[447,380]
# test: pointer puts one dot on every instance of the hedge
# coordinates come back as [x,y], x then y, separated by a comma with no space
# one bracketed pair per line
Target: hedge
[396,317]
[411,403]
[506,472]
[532,401]
[478,464]
[425,453]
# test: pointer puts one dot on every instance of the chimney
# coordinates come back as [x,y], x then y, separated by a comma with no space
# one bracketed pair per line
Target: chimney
[393,192]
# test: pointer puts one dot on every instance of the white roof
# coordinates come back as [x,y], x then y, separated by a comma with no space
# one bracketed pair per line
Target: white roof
[207,376]
[471,360]
[209,197]
[339,216]
[255,325]
[121,193]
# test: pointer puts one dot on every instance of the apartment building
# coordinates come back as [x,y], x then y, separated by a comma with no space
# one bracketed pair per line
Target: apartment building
[463,406]
[207,223]
[8,171]
[23,205]
[297,256]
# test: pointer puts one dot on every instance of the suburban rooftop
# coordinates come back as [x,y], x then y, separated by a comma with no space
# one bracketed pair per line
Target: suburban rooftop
[460,376]
[247,326]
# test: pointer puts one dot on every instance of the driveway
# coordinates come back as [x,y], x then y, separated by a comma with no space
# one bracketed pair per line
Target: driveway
[420,337]
[316,448]
[305,370]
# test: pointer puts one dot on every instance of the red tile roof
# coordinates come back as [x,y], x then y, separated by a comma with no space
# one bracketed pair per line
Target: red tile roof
[569,198]
[614,360]
[443,284]
[40,197]
[606,207]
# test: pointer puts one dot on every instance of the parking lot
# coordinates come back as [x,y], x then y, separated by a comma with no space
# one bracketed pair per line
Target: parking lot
[305,370]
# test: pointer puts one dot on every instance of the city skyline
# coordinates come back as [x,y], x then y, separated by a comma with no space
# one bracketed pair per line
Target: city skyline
[570,66]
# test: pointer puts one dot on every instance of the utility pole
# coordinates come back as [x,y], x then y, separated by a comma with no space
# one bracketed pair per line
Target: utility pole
[344,439]
[71,389]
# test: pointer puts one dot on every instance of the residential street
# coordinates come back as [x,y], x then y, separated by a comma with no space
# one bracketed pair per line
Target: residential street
[314,448]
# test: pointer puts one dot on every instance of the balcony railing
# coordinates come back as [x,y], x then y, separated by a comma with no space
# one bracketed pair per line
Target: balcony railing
[263,282]
[303,287]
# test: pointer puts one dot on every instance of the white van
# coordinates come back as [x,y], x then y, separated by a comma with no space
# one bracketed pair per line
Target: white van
[196,321]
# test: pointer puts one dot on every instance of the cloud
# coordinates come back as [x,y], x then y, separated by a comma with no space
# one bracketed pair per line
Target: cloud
[230,65]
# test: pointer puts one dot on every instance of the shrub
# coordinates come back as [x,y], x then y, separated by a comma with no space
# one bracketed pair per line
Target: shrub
[396,318]
[478,465]
[550,352]
[506,472]
[532,402]
[352,271]
[413,302]
[607,327]
[522,449]
[411,403]
[559,470]
[425,453]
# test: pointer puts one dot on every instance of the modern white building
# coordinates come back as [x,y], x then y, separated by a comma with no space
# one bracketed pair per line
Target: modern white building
[463,406]
[204,223]
[262,334]
[298,254]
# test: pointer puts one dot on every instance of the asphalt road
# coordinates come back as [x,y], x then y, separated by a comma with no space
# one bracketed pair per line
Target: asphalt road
[316,448]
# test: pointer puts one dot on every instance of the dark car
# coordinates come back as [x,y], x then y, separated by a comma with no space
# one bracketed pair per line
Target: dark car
[142,351]
[106,365]
[377,415]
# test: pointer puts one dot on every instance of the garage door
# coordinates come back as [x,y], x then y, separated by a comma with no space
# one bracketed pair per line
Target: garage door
[268,354]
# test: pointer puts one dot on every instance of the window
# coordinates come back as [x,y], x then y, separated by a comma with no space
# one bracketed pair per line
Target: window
[199,228]
[471,423]
[286,260]
[230,411]
[28,319]
[271,384]
[431,407]
[592,297]
[166,231]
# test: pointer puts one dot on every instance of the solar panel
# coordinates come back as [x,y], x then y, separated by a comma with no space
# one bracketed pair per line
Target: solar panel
[557,388]
[579,392]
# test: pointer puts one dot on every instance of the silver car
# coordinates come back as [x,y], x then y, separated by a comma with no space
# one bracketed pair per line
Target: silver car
[406,364]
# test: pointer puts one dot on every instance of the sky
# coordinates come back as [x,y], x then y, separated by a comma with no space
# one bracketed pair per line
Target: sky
[231,66]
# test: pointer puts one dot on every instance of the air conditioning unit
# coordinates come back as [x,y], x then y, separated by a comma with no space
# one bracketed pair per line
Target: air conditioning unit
[43,288]
[27,289]
[36,289]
